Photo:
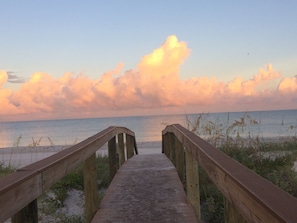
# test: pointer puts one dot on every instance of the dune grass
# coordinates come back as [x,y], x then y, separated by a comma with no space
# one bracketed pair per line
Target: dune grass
[272,160]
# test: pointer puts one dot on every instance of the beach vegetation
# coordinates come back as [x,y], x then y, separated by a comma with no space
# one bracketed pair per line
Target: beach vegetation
[34,143]
[52,201]
[5,170]
[272,159]
[17,141]
[37,142]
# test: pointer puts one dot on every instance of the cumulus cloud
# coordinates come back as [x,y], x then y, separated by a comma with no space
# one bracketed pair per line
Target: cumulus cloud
[254,85]
[154,85]
[288,85]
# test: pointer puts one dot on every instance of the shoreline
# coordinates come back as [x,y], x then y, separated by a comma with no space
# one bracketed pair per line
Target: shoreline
[21,156]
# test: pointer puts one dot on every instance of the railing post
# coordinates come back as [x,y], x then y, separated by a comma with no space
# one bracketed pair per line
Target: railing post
[165,144]
[135,146]
[27,215]
[112,156]
[180,160]
[169,146]
[90,187]
[172,148]
[130,146]
[231,213]
[192,179]
[121,149]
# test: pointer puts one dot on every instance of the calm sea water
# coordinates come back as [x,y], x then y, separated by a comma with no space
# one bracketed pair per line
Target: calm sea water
[147,128]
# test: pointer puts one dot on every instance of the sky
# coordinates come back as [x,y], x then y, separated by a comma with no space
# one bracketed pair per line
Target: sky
[79,59]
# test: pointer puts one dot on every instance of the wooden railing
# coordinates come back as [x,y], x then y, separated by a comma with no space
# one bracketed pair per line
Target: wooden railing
[19,191]
[248,196]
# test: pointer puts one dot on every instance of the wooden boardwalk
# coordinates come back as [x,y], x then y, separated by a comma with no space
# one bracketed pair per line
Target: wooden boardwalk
[145,189]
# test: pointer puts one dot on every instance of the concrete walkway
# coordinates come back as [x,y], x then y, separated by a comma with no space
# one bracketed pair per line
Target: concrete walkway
[145,189]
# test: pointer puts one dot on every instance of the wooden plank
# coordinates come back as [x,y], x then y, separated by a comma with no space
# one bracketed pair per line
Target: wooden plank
[171,139]
[180,160]
[135,145]
[22,188]
[166,144]
[112,156]
[145,189]
[121,149]
[192,183]
[231,214]
[130,146]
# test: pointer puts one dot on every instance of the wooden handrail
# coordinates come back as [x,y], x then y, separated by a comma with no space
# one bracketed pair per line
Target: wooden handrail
[253,197]
[21,188]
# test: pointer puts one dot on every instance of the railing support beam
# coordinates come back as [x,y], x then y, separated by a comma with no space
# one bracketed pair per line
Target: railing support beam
[180,160]
[165,145]
[121,149]
[90,187]
[130,146]
[171,139]
[192,179]
[112,155]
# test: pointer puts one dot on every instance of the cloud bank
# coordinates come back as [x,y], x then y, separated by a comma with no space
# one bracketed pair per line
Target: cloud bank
[153,87]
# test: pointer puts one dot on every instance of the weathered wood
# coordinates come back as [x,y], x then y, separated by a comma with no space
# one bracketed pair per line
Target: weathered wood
[60,169]
[112,156]
[28,214]
[146,189]
[171,139]
[135,146]
[163,144]
[192,179]
[130,146]
[248,192]
[90,187]
[166,144]
[231,214]
[180,160]
[121,149]
[17,190]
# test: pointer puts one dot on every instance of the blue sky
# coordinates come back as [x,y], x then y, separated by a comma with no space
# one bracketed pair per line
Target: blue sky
[226,40]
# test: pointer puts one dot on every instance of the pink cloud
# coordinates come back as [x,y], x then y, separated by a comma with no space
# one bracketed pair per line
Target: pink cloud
[288,85]
[153,87]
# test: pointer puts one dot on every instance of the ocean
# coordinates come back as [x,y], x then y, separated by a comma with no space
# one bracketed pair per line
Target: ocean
[264,124]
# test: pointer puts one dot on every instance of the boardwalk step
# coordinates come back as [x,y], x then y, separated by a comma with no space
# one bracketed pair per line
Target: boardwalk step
[145,189]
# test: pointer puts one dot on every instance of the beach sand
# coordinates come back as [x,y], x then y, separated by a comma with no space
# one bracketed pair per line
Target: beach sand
[18,157]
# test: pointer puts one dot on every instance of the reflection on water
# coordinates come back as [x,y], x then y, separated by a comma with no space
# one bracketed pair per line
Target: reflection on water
[146,128]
